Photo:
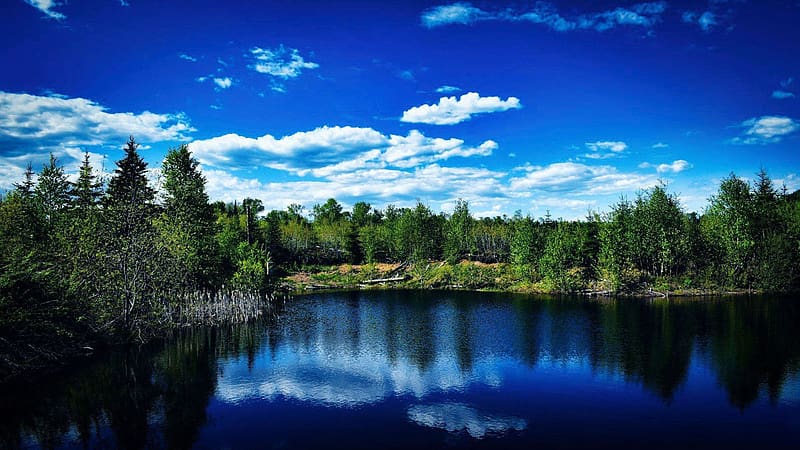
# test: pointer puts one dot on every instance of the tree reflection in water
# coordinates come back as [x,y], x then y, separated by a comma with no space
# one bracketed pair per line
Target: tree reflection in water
[361,349]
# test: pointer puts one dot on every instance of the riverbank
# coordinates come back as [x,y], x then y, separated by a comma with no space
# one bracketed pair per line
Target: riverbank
[44,350]
[473,276]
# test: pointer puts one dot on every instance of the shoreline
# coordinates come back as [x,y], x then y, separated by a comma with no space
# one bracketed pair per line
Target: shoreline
[496,277]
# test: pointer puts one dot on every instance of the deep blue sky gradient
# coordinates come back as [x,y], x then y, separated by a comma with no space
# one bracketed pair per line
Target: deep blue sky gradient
[668,82]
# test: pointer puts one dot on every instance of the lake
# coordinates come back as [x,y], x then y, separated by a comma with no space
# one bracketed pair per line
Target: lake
[408,369]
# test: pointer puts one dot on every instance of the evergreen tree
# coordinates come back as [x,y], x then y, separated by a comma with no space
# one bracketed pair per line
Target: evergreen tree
[128,189]
[52,190]
[187,224]
[86,192]
[25,188]
[133,290]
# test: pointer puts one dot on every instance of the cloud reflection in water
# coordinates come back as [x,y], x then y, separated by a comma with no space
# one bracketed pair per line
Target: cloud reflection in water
[459,417]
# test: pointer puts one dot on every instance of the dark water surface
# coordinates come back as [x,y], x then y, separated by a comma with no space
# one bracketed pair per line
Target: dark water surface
[440,370]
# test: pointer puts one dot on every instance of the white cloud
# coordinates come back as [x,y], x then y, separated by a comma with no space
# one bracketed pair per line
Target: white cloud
[280,63]
[675,167]
[223,83]
[55,120]
[766,129]
[46,6]
[447,89]
[450,111]
[577,177]
[458,417]
[328,150]
[660,145]
[219,82]
[642,14]
[379,186]
[780,95]
[12,168]
[574,204]
[32,126]
[613,146]
[605,149]
[456,13]
[186,57]
[706,21]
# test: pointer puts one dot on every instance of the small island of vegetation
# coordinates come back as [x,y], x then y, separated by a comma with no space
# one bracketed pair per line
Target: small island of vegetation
[88,262]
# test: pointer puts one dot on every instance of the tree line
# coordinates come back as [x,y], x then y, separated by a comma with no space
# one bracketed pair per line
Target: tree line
[95,258]
[748,237]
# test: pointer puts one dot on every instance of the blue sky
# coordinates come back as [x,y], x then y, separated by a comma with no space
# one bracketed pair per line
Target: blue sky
[531,106]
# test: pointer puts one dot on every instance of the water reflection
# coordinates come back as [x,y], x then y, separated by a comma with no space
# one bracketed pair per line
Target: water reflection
[469,363]
[458,417]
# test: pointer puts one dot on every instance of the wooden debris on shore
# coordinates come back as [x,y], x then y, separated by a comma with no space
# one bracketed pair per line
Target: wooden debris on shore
[386,280]
[595,293]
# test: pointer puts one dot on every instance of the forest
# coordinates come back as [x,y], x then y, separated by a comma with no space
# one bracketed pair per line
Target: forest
[118,260]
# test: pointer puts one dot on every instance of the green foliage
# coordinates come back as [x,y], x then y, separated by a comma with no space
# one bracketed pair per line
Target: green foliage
[561,264]
[375,241]
[187,225]
[77,262]
[252,268]
[492,239]
[52,191]
[527,241]
[86,192]
[657,221]
[458,237]
[131,261]
[417,234]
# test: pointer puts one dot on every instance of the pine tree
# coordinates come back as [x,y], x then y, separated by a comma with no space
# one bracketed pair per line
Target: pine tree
[188,223]
[133,261]
[52,190]
[25,188]
[86,192]
[128,187]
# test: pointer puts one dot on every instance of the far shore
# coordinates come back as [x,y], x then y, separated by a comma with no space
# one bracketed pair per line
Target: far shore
[467,276]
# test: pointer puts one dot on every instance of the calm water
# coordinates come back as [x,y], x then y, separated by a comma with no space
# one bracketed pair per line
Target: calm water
[440,369]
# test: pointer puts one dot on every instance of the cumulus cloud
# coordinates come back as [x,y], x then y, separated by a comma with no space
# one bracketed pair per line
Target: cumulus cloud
[766,130]
[58,121]
[577,177]
[46,6]
[459,417]
[605,149]
[328,150]
[33,126]
[659,145]
[431,183]
[675,167]
[642,14]
[706,20]
[186,57]
[450,111]
[280,62]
